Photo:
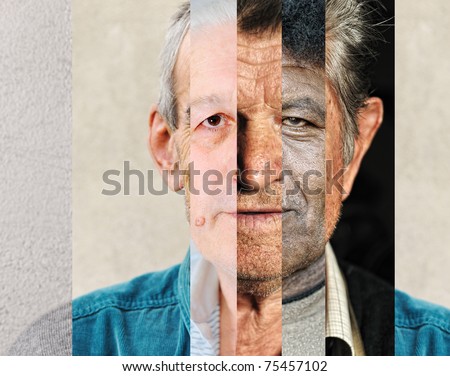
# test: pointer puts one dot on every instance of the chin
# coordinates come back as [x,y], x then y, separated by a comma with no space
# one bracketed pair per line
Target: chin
[300,255]
[258,288]
[259,263]
[259,275]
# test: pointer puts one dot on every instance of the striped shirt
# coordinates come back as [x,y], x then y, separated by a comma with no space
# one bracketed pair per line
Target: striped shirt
[205,336]
[205,310]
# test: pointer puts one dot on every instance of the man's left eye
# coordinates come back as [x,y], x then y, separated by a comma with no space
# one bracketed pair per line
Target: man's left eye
[295,121]
[214,121]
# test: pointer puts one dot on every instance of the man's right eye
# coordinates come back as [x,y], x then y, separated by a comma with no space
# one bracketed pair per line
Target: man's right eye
[215,121]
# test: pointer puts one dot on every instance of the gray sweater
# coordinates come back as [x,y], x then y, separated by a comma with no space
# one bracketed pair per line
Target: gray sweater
[49,335]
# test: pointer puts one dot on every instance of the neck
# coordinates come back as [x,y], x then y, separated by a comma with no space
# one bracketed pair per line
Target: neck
[228,313]
[249,324]
[302,281]
[259,324]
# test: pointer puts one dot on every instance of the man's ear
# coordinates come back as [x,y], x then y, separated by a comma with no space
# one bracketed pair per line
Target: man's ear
[161,144]
[369,120]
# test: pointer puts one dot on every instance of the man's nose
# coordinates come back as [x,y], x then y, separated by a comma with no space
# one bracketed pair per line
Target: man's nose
[259,154]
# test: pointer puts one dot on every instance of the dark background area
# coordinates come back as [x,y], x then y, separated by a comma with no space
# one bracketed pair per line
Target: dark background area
[365,233]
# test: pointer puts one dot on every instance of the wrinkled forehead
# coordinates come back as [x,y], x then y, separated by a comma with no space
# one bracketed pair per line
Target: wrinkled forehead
[258,55]
[259,70]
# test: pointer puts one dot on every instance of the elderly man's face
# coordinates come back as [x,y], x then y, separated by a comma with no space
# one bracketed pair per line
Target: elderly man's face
[206,85]
[271,227]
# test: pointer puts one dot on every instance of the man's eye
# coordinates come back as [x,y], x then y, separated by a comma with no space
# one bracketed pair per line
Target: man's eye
[214,121]
[294,121]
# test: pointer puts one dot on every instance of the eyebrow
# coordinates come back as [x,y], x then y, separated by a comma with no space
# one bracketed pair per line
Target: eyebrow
[203,100]
[307,103]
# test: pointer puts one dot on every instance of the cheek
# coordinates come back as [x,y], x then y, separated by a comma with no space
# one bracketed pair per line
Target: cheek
[333,133]
[333,199]
[333,203]
[217,189]
[184,138]
[333,141]
[221,158]
[305,162]
[182,144]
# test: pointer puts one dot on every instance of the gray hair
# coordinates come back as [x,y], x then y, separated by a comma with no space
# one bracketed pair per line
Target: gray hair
[351,41]
[350,49]
[177,30]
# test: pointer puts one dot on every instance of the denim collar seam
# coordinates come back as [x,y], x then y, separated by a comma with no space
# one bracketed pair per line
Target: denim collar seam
[416,323]
[125,305]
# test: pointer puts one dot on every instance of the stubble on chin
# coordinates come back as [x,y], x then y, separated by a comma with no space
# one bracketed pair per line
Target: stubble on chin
[259,262]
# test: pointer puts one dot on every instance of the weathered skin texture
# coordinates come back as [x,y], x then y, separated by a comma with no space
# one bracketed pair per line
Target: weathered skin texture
[259,240]
[304,136]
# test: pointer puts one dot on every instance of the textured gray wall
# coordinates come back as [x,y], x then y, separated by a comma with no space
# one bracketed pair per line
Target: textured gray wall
[35,162]
[422,149]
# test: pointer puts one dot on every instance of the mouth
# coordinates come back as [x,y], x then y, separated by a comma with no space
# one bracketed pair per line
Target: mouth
[262,219]
[259,220]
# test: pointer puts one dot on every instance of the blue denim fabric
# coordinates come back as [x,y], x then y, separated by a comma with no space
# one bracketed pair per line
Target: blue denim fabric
[150,316]
[147,316]
[421,328]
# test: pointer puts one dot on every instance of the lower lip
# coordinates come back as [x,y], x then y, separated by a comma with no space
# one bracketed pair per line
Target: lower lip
[258,221]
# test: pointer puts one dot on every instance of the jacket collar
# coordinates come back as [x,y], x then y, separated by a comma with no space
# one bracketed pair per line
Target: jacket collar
[184,288]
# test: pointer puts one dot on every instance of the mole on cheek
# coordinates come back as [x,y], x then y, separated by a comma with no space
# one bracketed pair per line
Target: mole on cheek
[199,221]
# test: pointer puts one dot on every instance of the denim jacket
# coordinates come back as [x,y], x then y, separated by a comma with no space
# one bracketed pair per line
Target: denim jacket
[421,328]
[150,316]
[147,316]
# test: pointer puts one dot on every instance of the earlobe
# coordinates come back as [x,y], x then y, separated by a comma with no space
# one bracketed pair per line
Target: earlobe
[369,120]
[161,144]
